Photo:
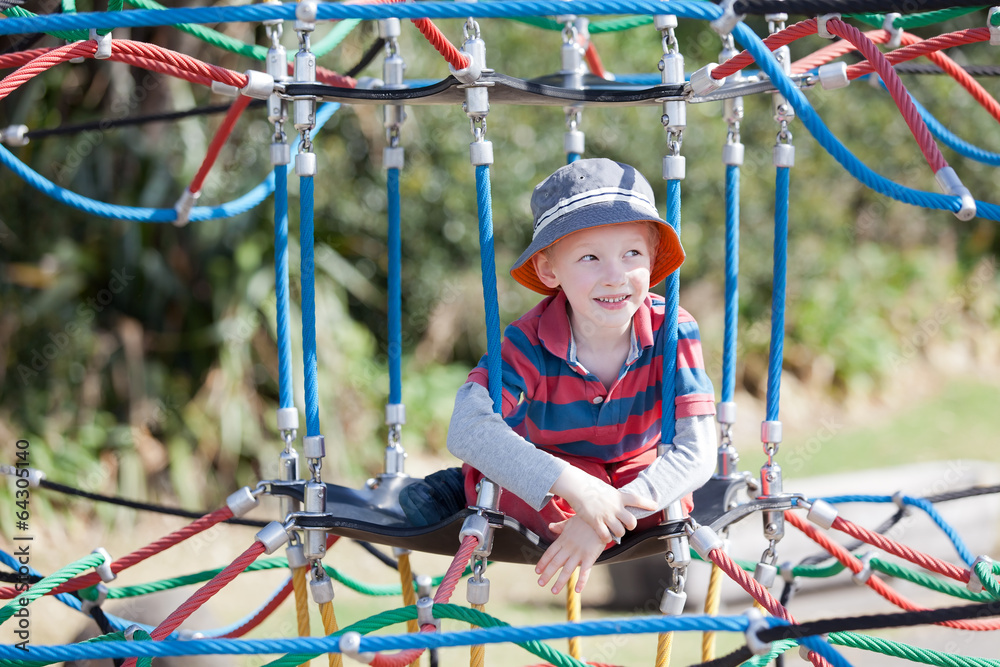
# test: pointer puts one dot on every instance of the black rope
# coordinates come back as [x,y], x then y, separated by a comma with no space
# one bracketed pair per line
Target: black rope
[103,624]
[814,8]
[110,123]
[7,4]
[970,492]
[69,490]
[858,623]
[385,558]
[921,68]
[367,58]
[737,657]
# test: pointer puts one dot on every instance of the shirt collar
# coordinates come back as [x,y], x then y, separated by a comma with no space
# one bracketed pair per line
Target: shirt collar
[555,334]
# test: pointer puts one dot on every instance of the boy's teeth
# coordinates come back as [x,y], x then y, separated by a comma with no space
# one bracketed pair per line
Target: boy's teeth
[614,300]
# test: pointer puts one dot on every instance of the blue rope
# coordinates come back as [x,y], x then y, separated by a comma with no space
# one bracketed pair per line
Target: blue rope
[221,632]
[395,290]
[487,259]
[812,122]
[143,214]
[281,286]
[952,141]
[732,281]
[331,11]
[72,601]
[671,293]
[778,293]
[308,270]
[927,506]
[494,635]
[821,646]
[572,157]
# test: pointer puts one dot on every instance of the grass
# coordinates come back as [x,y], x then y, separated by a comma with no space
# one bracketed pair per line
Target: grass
[960,422]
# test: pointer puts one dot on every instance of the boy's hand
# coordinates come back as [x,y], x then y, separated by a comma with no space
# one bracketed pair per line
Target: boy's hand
[578,545]
[600,505]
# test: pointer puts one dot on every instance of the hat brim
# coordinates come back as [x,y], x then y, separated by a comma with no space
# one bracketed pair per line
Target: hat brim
[667,258]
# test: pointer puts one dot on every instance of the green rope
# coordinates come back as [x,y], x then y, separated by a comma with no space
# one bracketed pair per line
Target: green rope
[908,652]
[277,562]
[995,19]
[68,35]
[48,583]
[927,581]
[615,25]
[213,37]
[777,648]
[328,43]
[918,20]
[332,39]
[451,611]
[985,573]
[69,6]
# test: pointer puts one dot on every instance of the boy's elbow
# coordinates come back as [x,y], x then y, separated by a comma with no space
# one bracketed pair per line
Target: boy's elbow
[705,465]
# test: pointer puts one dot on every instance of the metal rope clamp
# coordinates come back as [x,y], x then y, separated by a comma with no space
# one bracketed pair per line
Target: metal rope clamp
[975,583]
[478,586]
[479,525]
[994,29]
[350,645]
[477,100]
[674,118]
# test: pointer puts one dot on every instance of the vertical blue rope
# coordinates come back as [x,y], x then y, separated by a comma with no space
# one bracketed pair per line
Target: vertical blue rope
[732,281]
[395,290]
[281,285]
[778,292]
[672,296]
[572,157]
[308,304]
[488,262]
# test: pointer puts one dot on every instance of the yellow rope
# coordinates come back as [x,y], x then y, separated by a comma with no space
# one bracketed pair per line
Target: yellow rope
[711,608]
[573,611]
[477,653]
[301,602]
[329,627]
[663,643]
[409,595]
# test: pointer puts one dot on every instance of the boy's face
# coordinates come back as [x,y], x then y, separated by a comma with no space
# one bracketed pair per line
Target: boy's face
[604,272]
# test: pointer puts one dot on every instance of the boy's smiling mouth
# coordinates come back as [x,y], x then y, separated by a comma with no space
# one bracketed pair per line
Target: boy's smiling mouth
[613,299]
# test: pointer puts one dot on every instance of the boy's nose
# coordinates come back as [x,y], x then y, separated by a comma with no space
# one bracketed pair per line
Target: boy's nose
[615,273]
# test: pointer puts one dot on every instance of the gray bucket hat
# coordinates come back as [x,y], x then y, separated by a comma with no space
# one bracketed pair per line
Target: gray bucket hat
[593,193]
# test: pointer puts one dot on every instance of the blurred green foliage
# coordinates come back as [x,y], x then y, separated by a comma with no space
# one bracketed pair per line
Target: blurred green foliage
[139,359]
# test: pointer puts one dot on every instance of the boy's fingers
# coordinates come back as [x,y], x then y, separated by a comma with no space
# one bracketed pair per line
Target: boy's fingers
[641,502]
[558,527]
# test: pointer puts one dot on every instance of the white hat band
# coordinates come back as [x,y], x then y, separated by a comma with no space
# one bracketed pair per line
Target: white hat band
[596,196]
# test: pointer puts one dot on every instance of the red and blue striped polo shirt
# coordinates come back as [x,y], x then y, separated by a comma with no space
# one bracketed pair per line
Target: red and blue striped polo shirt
[553,402]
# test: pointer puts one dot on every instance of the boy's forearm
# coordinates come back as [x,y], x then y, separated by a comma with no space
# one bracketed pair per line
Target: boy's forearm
[481,438]
[682,469]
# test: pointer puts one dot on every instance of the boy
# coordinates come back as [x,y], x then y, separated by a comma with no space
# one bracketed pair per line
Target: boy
[575,448]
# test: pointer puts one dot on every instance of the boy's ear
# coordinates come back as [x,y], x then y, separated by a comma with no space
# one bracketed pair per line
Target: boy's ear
[543,267]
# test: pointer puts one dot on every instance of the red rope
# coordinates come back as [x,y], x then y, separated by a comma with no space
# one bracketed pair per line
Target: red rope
[964,79]
[896,88]
[594,61]
[260,616]
[831,52]
[162,68]
[218,141]
[778,39]
[759,593]
[202,595]
[444,591]
[907,53]
[44,62]
[874,582]
[193,65]
[455,58]
[901,550]
[19,58]
[139,555]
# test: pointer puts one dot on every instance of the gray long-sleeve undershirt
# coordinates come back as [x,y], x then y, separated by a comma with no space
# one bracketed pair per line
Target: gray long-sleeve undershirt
[480,437]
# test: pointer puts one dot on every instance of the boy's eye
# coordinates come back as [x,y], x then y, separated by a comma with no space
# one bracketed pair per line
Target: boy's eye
[633,253]
[588,258]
